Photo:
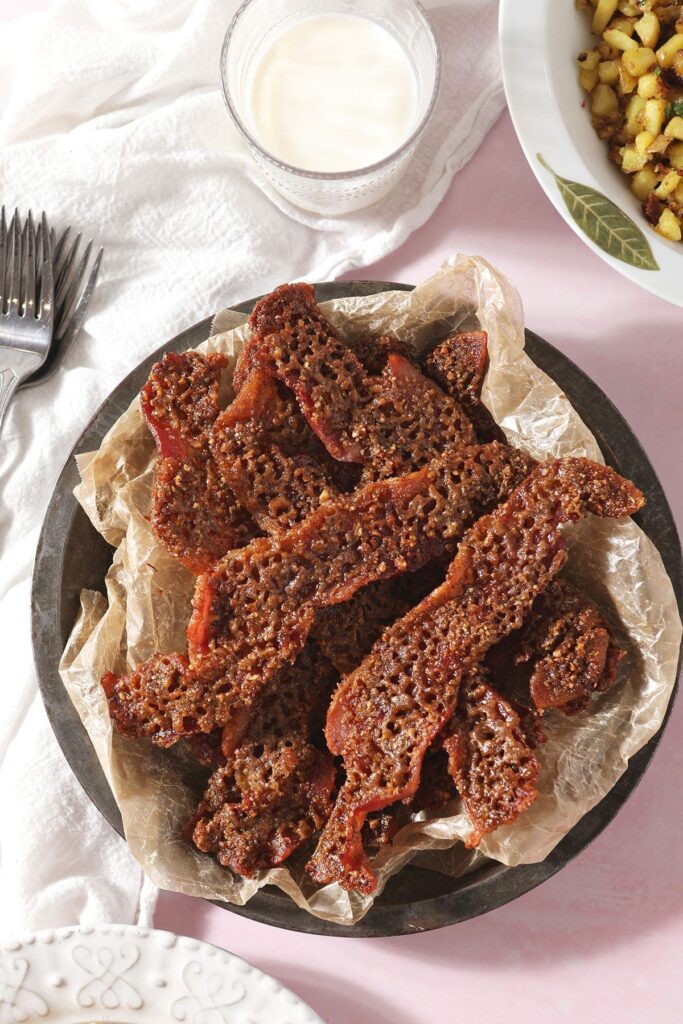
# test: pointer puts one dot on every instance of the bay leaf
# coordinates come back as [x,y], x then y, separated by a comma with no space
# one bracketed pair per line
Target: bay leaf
[604,223]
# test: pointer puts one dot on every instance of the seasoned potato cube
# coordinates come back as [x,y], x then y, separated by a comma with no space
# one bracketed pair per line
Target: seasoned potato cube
[643,140]
[669,49]
[653,116]
[604,101]
[619,40]
[643,182]
[588,60]
[678,193]
[628,8]
[635,114]
[674,129]
[667,185]
[675,155]
[632,160]
[588,79]
[669,226]
[627,82]
[608,72]
[647,28]
[651,86]
[638,62]
[603,12]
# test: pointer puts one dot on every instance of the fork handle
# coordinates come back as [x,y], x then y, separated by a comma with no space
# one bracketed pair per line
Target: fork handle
[8,385]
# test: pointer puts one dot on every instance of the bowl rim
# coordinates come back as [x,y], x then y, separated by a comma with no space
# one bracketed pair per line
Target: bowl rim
[494,884]
[533,109]
[301,172]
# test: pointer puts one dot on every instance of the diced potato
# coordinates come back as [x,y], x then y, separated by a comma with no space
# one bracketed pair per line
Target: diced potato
[589,79]
[678,193]
[677,65]
[608,72]
[627,83]
[669,226]
[638,62]
[604,101]
[667,184]
[647,28]
[674,155]
[620,41]
[653,116]
[651,86]
[603,12]
[588,60]
[643,140]
[635,114]
[667,52]
[628,8]
[632,160]
[624,25]
[643,182]
[674,129]
[659,145]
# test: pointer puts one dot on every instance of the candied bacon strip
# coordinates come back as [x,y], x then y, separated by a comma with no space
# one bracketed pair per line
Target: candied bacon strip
[269,455]
[194,512]
[275,789]
[385,715]
[389,422]
[257,605]
[458,364]
[346,632]
[490,758]
[563,654]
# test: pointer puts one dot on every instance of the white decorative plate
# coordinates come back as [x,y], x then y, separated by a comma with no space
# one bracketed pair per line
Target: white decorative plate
[117,974]
[540,41]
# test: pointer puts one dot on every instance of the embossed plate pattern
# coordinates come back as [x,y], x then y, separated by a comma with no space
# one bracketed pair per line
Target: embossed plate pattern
[119,974]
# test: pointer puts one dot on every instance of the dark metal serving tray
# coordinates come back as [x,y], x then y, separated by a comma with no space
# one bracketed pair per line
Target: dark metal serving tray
[71,555]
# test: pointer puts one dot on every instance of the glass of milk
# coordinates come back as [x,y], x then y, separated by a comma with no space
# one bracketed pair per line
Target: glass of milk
[331,97]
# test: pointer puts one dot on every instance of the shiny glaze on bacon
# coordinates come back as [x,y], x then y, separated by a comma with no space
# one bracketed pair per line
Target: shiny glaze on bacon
[194,512]
[386,714]
[387,423]
[275,789]
[256,607]
[458,364]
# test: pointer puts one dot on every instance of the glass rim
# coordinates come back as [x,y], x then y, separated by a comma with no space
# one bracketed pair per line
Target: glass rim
[330,175]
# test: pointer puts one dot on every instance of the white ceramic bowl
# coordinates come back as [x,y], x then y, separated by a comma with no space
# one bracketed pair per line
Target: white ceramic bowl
[540,40]
[126,975]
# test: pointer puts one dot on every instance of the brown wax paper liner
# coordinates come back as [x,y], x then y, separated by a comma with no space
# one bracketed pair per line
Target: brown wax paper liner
[148,602]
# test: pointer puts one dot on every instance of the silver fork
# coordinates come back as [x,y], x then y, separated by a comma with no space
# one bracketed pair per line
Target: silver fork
[26,302]
[72,294]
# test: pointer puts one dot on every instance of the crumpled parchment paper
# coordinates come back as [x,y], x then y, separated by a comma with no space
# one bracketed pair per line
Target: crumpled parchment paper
[148,603]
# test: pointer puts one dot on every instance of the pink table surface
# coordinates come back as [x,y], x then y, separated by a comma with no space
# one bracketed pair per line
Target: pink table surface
[603,939]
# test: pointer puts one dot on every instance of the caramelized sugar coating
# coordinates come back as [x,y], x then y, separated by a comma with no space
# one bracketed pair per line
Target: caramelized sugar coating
[275,789]
[458,364]
[386,714]
[565,651]
[388,423]
[268,454]
[346,632]
[194,513]
[490,758]
[374,352]
[257,606]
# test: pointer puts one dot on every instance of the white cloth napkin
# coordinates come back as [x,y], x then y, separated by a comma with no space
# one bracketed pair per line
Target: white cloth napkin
[113,121]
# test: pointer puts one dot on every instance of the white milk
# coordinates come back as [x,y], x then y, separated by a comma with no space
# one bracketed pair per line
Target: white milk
[332,92]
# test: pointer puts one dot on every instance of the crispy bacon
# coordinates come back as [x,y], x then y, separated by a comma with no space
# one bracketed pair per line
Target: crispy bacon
[275,789]
[386,714]
[256,608]
[346,632]
[563,654]
[386,423]
[195,514]
[269,455]
[458,364]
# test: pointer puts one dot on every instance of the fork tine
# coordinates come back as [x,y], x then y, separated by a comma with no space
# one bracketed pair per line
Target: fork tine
[64,279]
[72,324]
[28,302]
[14,252]
[69,298]
[59,248]
[3,257]
[46,311]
